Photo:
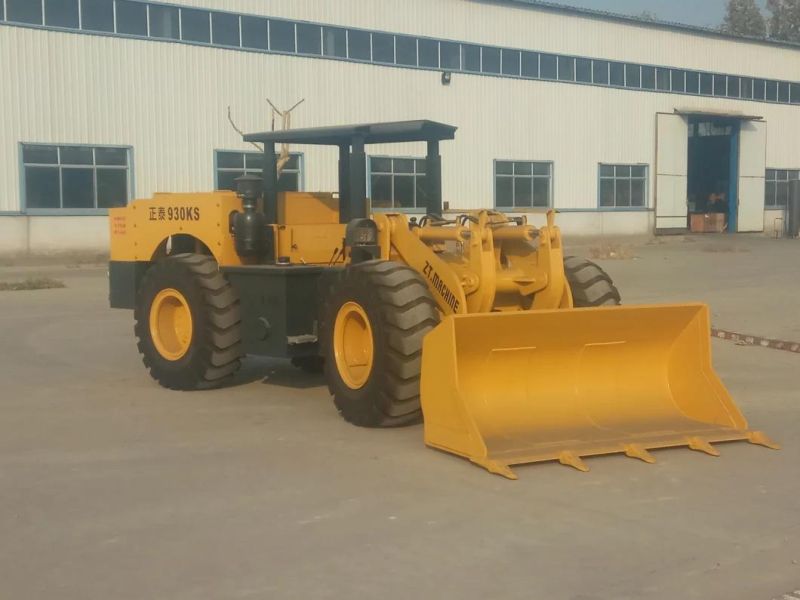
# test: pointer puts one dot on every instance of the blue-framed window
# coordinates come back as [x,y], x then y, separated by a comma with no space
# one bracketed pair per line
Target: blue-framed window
[396,182]
[163,21]
[523,184]
[777,186]
[75,178]
[622,186]
[232,164]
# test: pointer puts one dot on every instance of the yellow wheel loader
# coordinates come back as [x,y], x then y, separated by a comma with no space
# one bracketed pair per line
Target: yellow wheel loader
[512,352]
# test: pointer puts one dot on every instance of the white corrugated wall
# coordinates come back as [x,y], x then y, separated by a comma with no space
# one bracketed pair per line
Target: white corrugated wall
[168,100]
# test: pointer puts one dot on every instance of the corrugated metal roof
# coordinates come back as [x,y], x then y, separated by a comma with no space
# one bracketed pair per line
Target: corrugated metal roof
[630,19]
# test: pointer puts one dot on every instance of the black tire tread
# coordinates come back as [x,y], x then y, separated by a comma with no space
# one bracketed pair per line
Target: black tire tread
[221,354]
[590,284]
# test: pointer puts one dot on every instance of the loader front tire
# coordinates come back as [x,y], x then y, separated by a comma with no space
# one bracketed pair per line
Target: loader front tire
[188,323]
[590,285]
[374,322]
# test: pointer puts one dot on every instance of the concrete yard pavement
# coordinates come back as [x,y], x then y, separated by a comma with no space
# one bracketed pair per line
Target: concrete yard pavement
[111,487]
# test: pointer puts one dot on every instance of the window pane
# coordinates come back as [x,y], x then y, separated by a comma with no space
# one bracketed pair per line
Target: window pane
[195,25]
[623,171]
[334,41]
[77,188]
[504,191]
[288,182]
[648,78]
[41,187]
[548,66]
[382,47]
[230,160]
[746,89]
[794,90]
[678,80]
[359,44]
[419,164]
[24,11]
[623,192]
[663,79]
[772,91]
[566,68]
[734,84]
[541,168]
[112,188]
[309,39]
[76,155]
[163,22]
[131,18]
[706,84]
[470,58]
[381,191]
[511,62]
[770,174]
[583,70]
[633,76]
[421,190]
[111,156]
[606,192]
[406,48]
[403,165]
[404,191]
[451,55]
[530,64]
[782,193]
[692,82]
[606,171]
[46,155]
[720,85]
[541,192]
[600,72]
[226,180]
[254,33]
[61,13]
[428,53]
[380,164]
[638,171]
[783,92]
[769,194]
[281,36]
[2,12]
[759,88]
[637,192]
[225,29]
[255,161]
[490,60]
[523,191]
[502,167]
[522,168]
[617,74]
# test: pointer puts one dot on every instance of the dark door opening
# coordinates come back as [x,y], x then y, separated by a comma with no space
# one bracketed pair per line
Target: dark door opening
[713,174]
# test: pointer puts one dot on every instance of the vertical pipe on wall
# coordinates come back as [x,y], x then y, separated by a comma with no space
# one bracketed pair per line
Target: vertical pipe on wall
[433,179]
[270,176]
[357,202]
[344,183]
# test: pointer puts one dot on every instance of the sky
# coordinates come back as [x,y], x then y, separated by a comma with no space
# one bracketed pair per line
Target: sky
[707,13]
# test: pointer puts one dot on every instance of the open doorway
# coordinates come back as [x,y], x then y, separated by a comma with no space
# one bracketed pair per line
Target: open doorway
[713,174]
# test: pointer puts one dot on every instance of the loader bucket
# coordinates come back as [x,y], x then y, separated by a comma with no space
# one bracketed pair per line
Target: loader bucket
[519,387]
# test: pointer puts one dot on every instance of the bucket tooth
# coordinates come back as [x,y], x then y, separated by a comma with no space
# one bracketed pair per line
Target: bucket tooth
[701,445]
[572,460]
[634,451]
[495,467]
[761,439]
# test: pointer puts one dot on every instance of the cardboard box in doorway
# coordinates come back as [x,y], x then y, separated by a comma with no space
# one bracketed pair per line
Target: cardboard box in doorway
[707,222]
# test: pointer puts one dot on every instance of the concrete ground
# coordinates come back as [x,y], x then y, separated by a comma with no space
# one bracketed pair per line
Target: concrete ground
[111,487]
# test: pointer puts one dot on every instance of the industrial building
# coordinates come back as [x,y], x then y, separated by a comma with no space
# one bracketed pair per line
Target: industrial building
[625,126]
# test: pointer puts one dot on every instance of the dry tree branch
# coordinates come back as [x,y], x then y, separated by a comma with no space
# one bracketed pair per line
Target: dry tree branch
[239,131]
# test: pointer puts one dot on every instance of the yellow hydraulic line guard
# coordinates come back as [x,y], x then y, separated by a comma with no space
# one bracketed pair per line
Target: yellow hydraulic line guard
[519,387]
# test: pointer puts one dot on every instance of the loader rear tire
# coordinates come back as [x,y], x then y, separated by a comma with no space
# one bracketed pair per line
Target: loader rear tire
[590,285]
[187,294]
[389,310]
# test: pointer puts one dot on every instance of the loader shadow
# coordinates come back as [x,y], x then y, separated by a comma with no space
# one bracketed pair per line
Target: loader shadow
[276,372]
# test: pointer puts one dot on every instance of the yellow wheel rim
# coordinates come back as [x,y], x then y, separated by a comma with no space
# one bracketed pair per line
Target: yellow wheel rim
[171,324]
[353,347]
